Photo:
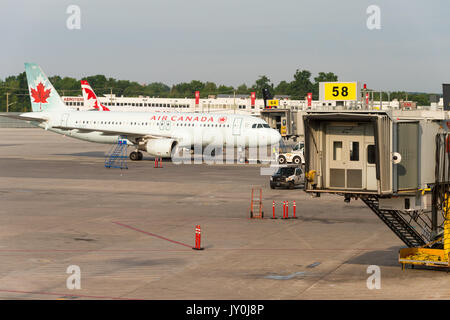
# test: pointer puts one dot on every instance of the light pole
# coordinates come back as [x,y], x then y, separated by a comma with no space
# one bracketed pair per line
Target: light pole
[7,102]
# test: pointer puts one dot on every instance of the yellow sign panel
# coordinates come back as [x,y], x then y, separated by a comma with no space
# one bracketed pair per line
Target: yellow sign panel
[341,91]
[283,130]
[272,103]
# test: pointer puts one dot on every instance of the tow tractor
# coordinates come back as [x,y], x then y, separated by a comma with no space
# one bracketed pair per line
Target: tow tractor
[294,156]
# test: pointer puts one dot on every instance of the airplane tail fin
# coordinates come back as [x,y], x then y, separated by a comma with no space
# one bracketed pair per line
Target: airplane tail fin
[43,95]
[90,98]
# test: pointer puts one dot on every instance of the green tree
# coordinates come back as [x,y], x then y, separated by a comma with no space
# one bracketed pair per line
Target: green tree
[242,89]
[301,84]
[282,88]
[210,88]
[322,77]
[157,89]
[222,89]
[262,83]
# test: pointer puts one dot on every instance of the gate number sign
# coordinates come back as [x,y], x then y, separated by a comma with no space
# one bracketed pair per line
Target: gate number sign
[339,91]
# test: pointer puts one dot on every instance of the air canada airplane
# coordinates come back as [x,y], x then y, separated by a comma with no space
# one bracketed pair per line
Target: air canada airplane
[157,133]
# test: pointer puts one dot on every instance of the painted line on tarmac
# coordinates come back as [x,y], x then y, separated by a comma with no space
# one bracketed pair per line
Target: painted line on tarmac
[65,295]
[172,250]
[151,234]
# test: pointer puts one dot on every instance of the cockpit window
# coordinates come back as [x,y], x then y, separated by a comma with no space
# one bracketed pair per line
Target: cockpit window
[260,125]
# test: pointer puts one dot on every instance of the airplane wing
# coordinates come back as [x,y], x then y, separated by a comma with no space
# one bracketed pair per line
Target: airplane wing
[129,134]
[19,117]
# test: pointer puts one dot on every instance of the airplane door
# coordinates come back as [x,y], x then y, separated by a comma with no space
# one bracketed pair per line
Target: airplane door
[237,124]
[64,119]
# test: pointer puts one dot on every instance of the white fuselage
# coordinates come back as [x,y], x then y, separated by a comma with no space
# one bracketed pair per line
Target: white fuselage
[188,129]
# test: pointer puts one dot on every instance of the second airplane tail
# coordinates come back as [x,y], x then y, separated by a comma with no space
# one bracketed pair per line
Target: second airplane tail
[90,98]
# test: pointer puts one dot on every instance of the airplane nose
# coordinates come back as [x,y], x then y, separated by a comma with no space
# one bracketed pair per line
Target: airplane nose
[275,136]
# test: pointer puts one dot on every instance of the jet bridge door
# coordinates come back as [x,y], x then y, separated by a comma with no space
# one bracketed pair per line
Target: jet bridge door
[345,165]
[408,146]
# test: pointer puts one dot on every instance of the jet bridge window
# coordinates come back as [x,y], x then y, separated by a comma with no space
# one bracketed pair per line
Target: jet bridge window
[354,151]
[337,150]
[371,154]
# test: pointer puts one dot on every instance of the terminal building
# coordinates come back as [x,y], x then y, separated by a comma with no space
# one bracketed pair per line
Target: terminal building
[222,103]
[285,115]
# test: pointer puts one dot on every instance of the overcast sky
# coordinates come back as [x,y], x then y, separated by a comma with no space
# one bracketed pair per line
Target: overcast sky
[232,42]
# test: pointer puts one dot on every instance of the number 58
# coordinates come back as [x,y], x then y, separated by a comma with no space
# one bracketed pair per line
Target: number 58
[344,91]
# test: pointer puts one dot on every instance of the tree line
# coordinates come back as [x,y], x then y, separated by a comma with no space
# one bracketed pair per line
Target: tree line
[17,88]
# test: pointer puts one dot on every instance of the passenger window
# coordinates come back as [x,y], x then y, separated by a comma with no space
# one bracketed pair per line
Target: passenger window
[354,151]
[371,154]
[337,150]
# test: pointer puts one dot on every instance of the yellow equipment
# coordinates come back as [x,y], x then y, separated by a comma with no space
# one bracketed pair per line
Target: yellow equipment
[310,176]
[430,257]
[447,227]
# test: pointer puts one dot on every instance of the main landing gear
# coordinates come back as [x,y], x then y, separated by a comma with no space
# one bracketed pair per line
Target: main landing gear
[136,156]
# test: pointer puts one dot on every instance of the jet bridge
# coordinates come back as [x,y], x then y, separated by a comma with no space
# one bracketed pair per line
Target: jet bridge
[396,162]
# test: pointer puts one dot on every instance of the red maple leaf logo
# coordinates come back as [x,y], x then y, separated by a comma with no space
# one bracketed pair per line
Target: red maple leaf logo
[97,107]
[90,94]
[40,95]
[222,120]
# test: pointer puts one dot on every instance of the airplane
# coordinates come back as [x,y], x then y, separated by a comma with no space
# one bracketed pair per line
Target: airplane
[90,98]
[159,134]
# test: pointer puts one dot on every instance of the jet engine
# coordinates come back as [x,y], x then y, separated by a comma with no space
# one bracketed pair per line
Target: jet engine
[160,147]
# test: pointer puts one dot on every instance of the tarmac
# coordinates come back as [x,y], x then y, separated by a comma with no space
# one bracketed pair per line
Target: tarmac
[131,232]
